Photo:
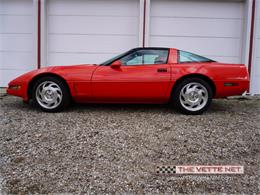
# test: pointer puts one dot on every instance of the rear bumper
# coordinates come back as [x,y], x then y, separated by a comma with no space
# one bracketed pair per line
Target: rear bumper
[231,88]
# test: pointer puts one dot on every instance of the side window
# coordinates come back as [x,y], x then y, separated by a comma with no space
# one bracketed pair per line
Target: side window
[190,57]
[146,56]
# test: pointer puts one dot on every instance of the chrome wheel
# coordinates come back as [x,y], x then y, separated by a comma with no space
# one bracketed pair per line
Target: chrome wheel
[194,96]
[48,95]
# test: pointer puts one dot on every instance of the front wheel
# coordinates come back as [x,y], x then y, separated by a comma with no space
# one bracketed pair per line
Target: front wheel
[51,94]
[192,96]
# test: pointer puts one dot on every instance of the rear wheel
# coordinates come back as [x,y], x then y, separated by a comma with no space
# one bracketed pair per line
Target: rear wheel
[50,94]
[192,96]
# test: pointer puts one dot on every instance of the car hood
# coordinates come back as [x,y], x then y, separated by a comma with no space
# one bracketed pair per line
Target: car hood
[59,70]
[71,67]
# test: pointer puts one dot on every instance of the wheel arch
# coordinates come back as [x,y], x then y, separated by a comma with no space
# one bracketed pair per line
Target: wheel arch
[201,76]
[37,77]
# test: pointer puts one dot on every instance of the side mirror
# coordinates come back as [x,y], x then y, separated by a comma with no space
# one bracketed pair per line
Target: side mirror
[116,64]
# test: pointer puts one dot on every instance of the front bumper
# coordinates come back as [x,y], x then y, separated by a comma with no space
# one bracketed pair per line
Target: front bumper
[18,89]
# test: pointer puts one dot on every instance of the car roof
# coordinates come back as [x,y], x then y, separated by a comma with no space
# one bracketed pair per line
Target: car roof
[151,48]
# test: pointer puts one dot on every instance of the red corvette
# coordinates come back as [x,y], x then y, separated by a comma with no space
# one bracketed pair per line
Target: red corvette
[141,75]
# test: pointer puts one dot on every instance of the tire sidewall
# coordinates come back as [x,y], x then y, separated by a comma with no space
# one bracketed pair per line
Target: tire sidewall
[65,94]
[176,96]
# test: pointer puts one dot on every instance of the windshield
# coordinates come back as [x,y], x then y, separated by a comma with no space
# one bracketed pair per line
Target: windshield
[108,62]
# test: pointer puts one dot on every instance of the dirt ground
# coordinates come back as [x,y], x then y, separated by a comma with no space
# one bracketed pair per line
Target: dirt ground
[115,148]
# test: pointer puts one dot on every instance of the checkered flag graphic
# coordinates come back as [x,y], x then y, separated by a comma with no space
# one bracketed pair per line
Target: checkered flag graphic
[166,169]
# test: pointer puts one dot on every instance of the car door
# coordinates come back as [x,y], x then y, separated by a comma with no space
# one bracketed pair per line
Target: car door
[144,76]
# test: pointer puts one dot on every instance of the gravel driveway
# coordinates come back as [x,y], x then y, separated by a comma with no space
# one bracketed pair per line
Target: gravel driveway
[116,148]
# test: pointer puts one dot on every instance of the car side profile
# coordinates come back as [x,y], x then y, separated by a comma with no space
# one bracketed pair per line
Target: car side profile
[140,75]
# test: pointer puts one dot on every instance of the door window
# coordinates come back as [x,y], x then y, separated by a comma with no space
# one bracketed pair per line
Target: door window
[146,56]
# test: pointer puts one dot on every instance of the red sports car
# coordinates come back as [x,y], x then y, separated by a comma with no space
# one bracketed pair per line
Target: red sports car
[141,75]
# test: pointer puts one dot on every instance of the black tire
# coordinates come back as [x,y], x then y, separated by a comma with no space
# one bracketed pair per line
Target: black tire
[64,101]
[178,102]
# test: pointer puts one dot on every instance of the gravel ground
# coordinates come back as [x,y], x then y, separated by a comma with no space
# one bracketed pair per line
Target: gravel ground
[116,148]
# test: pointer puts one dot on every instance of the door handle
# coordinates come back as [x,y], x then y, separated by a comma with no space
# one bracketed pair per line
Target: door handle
[162,70]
